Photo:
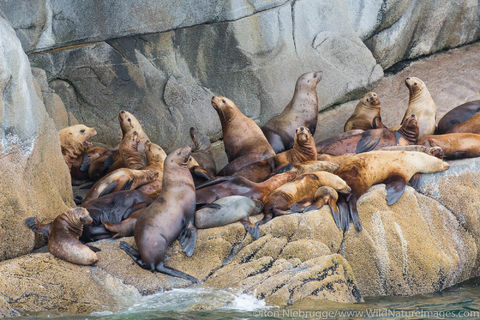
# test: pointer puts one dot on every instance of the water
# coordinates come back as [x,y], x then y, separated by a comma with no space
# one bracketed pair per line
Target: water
[462,301]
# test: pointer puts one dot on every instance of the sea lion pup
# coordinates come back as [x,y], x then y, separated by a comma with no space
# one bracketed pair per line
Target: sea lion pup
[471,125]
[421,104]
[371,139]
[458,115]
[233,185]
[302,110]
[366,115]
[454,145]
[110,209]
[323,195]
[229,210]
[202,152]
[74,142]
[394,168]
[169,217]
[63,241]
[303,188]
[243,139]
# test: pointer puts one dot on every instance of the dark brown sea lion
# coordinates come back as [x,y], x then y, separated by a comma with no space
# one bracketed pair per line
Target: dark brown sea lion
[232,185]
[303,188]
[458,115]
[394,168]
[74,142]
[371,139]
[366,115]
[454,145]
[471,125]
[302,110]
[110,209]
[421,104]
[243,139]
[168,218]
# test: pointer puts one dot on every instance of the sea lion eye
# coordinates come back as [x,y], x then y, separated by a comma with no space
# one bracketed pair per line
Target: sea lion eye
[414,83]
[223,101]
[82,131]
[129,120]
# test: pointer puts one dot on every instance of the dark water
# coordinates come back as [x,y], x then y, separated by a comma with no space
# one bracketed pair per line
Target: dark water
[460,302]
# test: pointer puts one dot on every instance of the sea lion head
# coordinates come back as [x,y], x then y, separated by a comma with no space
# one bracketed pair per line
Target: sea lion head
[154,153]
[75,138]
[309,80]
[371,99]
[128,122]
[79,216]
[192,163]
[302,135]
[180,156]
[225,107]
[414,84]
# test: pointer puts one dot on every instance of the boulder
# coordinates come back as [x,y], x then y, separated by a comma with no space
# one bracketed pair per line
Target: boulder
[34,179]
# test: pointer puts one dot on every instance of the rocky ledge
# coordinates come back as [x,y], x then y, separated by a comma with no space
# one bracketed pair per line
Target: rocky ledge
[424,243]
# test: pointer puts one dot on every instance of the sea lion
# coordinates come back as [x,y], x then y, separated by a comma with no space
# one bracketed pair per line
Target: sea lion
[99,164]
[471,125]
[303,188]
[198,173]
[234,185]
[63,241]
[458,115]
[74,142]
[155,159]
[110,209]
[169,217]
[323,195]
[302,110]
[366,115]
[394,168]
[454,145]
[243,139]
[421,104]
[371,139]
[312,166]
[132,151]
[229,210]
[202,152]
[80,169]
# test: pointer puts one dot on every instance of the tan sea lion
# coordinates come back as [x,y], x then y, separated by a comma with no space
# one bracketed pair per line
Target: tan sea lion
[313,166]
[454,145]
[155,159]
[366,114]
[303,188]
[421,104]
[243,139]
[394,168]
[458,115]
[302,110]
[169,217]
[132,151]
[323,195]
[229,210]
[74,142]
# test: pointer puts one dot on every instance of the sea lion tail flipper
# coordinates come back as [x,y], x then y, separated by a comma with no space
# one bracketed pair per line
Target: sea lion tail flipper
[175,273]
[37,227]
[109,161]
[110,188]
[188,239]
[85,165]
[133,253]
[300,206]
[311,208]
[94,249]
[395,186]
[352,207]
[215,181]
[207,205]
[344,213]
[335,211]
[285,168]
[368,142]
[251,228]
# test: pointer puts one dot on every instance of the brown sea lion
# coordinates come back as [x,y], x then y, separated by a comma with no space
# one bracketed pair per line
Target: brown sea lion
[132,151]
[63,240]
[99,166]
[302,110]
[155,159]
[229,210]
[421,104]
[202,152]
[458,115]
[471,125]
[371,139]
[110,209]
[81,166]
[168,218]
[312,166]
[454,145]
[243,139]
[394,168]
[232,185]
[323,195]
[303,188]
[366,115]
[74,142]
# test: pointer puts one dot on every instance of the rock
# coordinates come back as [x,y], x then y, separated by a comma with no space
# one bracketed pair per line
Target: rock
[415,246]
[34,179]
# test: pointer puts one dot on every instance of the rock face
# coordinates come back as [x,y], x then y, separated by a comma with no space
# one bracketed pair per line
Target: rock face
[34,178]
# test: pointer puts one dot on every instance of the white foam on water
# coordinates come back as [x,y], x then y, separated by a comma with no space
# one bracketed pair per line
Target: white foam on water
[245,302]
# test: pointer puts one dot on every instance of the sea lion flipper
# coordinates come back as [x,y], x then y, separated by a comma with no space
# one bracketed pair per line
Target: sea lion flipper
[251,228]
[201,173]
[85,165]
[215,181]
[188,239]
[344,213]
[37,227]
[110,188]
[284,168]
[175,273]
[94,249]
[133,253]
[368,142]
[300,206]
[335,212]
[414,180]
[395,186]
[128,185]
[109,161]
[208,205]
[352,207]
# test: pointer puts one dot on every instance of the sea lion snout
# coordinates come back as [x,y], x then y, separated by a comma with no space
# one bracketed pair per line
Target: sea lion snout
[82,215]
[445,165]
[318,75]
